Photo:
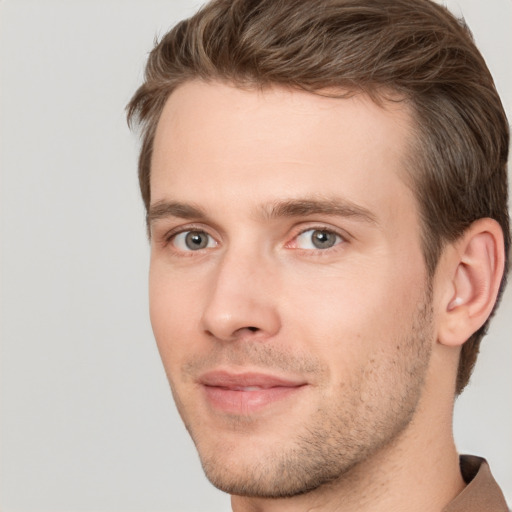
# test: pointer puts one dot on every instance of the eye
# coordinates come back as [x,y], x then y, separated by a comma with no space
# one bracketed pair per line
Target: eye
[193,241]
[317,239]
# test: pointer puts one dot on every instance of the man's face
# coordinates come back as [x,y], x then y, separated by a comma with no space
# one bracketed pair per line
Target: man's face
[289,297]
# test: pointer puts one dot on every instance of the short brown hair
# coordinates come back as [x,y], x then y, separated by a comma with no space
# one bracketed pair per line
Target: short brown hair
[413,48]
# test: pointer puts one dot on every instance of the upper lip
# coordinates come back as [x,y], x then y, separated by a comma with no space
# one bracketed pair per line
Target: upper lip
[229,380]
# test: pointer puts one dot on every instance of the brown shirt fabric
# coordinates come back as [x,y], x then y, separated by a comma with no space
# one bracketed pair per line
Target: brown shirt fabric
[481,493]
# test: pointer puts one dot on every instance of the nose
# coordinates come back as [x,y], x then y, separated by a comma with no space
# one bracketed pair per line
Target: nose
[242,299]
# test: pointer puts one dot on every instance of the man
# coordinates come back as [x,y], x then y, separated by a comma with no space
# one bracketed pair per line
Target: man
[326,194]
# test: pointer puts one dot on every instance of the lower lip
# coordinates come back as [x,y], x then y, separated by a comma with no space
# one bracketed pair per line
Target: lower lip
[247,402]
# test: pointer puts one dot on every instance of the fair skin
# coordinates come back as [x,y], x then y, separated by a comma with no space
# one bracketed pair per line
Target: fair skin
[310,359]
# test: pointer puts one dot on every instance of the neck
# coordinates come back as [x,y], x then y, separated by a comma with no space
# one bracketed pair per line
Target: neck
[418,471]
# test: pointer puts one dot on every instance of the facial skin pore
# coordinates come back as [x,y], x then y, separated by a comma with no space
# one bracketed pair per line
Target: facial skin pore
[290,300]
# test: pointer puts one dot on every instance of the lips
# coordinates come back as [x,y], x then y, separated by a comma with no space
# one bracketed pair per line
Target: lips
[247,393]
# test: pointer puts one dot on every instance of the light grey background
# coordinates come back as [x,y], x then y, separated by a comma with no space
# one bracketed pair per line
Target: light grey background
[87,421]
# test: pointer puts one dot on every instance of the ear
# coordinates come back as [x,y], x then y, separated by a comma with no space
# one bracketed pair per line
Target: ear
[472,272]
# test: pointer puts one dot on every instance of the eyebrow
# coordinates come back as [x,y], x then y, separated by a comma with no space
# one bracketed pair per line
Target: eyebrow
[164,209]
[286,208]
[332,206]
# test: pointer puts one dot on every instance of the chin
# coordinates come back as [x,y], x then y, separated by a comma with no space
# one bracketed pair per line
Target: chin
[267,479]
[280,469]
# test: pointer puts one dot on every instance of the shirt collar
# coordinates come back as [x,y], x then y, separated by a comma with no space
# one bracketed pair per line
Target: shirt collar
[482,493]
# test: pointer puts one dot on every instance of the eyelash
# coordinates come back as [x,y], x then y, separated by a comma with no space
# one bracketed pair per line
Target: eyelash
[326,229]
[171,235]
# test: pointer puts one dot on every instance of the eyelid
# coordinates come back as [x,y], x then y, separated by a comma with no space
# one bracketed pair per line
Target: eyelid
[167,236]
[343,235]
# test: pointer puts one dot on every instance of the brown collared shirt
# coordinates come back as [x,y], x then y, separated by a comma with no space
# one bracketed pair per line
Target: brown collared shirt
[481,493]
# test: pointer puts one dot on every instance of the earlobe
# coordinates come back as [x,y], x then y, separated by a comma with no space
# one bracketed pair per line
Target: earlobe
[474,269]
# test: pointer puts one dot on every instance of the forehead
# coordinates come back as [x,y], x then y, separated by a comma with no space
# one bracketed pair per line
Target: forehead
[217,139]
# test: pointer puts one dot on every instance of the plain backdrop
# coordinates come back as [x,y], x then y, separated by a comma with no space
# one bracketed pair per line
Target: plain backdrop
[87,420]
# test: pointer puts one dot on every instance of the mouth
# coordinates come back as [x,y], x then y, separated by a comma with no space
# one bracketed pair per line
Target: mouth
[247,393]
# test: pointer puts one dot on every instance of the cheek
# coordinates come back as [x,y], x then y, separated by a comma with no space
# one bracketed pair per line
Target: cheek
[173,315]
[353,315]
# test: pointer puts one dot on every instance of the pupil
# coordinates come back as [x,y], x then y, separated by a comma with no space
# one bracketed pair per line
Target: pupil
[196,240]
[323,239]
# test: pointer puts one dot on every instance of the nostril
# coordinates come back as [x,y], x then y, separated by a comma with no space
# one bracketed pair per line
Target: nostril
[253,329]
